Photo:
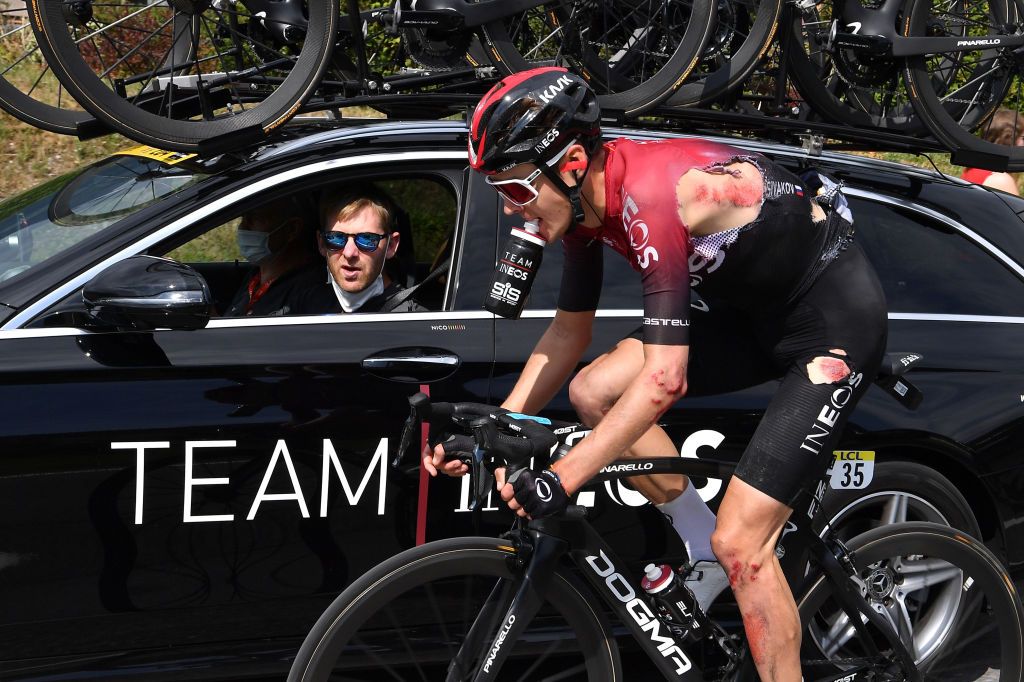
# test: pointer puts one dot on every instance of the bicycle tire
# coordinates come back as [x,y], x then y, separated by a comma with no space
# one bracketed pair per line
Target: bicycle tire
[452,565]
[733,52]
[28,89]
[222,126]
[631,93]
[952,125]
[844,86]
[938,582]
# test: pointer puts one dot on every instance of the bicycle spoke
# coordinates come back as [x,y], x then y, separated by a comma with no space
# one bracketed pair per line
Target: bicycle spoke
[36,83]
[153,74]
[112,24]
[223,62]
[135,50]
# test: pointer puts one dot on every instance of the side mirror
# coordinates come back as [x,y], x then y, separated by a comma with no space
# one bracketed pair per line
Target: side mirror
[142,293]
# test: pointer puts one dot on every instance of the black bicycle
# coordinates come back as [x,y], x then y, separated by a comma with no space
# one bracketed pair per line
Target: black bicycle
[910,601]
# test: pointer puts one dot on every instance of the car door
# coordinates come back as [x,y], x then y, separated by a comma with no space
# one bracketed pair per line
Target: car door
[173,488]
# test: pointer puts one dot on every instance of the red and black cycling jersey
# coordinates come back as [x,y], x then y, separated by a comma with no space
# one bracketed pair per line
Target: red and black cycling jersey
[755,268]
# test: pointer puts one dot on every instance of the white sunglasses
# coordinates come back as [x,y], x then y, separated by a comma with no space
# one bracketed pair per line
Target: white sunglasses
[520,191]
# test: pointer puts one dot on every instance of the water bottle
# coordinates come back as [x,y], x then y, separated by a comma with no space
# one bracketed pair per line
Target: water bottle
[517,267]
[675,603]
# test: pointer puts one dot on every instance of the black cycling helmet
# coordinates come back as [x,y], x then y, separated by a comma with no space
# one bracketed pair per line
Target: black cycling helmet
[532,117]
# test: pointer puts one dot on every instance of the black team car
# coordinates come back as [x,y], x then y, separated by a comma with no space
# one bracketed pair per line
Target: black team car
[181,494]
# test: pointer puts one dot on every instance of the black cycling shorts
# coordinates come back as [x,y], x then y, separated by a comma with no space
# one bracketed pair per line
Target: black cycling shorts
[844,309]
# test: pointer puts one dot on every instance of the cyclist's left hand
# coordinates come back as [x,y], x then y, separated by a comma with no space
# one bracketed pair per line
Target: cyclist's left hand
[535,495]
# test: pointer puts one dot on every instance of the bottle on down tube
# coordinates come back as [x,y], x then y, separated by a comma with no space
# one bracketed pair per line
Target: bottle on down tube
[439,611]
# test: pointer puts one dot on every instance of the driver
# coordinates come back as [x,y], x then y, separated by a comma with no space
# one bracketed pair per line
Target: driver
[784,294]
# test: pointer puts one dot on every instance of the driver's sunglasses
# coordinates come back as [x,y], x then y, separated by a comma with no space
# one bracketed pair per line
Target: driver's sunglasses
[518,191]
[365,241]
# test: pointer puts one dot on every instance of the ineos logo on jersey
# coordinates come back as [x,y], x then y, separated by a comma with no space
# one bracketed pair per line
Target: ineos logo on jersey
[548,93]
[543,490]
[638,233]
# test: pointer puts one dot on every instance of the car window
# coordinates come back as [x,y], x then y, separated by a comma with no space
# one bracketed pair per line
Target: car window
[59,215]
[426,216]
[929,267]
[621,289]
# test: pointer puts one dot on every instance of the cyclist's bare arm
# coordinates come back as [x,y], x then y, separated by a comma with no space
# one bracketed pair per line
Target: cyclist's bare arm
[552,361]
[661,382]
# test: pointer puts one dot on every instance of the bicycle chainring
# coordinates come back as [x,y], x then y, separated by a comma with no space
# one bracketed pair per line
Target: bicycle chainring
[440,51]
[866,70]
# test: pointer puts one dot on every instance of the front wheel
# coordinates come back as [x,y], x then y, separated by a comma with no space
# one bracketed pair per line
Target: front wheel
[951,601]
[411,616]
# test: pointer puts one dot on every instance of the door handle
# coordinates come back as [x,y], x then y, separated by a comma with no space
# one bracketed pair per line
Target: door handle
[412,365]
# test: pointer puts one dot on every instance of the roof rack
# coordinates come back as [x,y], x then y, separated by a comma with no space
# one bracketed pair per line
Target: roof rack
[813,136]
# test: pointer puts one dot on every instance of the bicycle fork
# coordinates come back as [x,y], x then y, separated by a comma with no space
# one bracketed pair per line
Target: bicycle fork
[541,557]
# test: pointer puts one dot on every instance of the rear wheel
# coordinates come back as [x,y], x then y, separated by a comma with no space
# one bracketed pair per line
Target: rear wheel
[951,601]
[409,617]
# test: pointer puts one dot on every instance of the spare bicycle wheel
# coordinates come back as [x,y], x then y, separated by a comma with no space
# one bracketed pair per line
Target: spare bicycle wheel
[744,32]
[188,75]
[634,54]
[29,90]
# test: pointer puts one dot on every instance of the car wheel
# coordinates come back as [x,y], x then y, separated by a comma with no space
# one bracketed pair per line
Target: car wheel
[899,491]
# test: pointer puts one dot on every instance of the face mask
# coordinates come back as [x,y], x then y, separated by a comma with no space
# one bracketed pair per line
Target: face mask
[352,301]
[254,245]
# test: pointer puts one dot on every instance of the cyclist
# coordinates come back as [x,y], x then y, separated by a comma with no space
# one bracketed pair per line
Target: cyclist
[783,294]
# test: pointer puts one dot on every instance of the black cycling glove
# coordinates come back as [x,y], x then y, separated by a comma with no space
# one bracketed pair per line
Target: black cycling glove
[540,494]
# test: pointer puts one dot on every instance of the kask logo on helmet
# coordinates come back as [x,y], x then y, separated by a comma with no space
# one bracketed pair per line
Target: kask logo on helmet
[549,93]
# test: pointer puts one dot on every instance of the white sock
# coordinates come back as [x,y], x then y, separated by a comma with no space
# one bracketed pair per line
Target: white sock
[693,521]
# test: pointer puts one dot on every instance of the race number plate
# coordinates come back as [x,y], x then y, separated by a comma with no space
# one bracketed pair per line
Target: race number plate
[852,469]
[161,155]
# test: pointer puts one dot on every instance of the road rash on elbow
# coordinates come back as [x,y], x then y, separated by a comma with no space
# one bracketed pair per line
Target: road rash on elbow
[664,389]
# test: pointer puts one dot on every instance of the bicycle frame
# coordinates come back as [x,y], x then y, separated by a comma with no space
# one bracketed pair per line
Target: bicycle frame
[542,544]
[874,30]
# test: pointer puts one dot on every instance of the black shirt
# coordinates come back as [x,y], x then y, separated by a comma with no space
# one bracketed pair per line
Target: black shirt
[374,305]
[299,292]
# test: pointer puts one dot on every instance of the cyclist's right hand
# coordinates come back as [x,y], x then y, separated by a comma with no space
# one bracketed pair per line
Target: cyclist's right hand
[434,460]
